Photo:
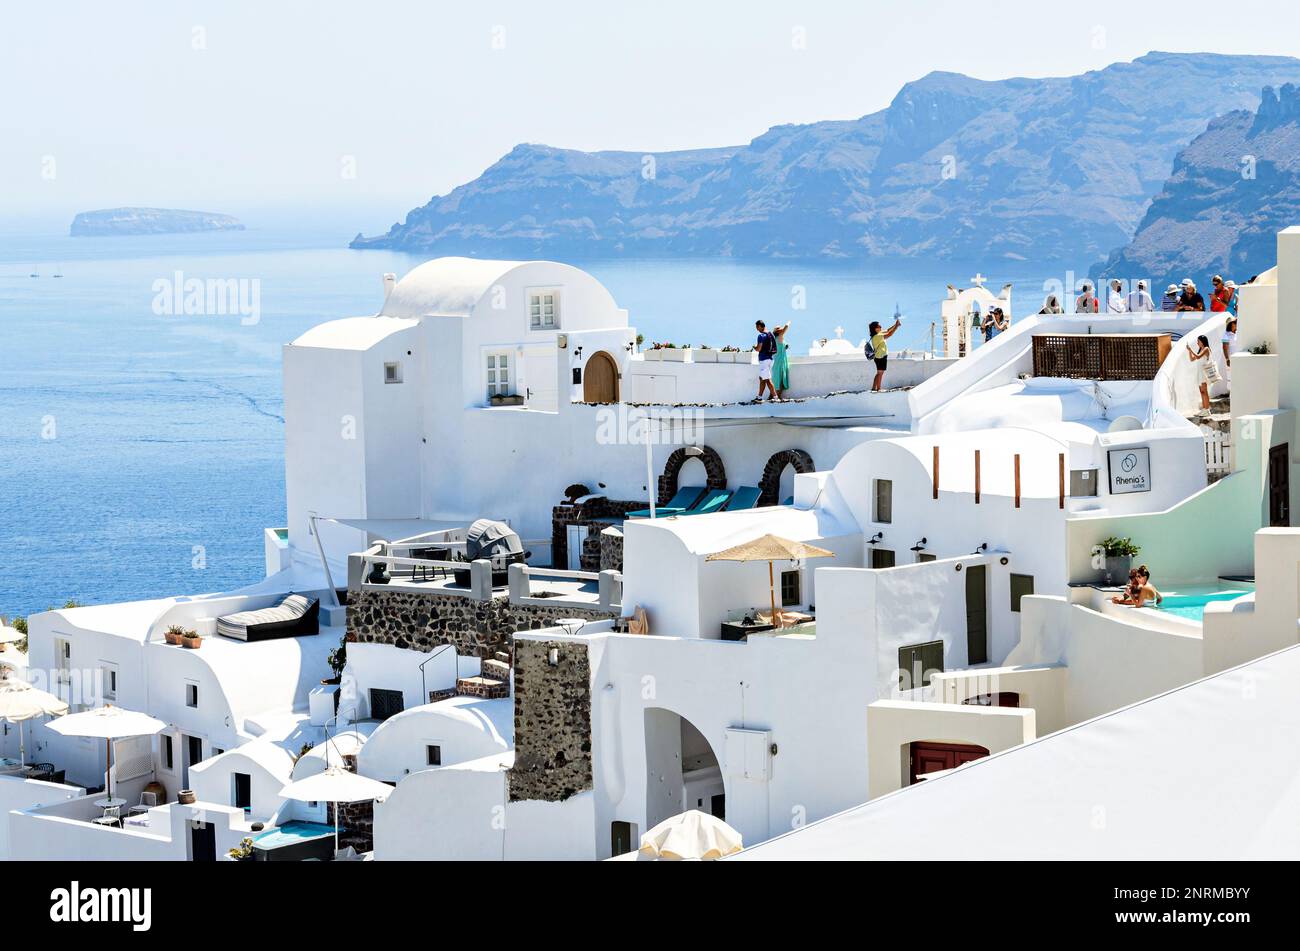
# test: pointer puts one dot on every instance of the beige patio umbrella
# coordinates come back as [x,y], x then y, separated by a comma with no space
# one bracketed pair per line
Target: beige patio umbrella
[108,723]
[770,548]
[690,835]
[20,702]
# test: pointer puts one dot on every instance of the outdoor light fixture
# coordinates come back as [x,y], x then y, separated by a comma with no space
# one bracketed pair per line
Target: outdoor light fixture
[577,353]
[879,536]
[984,546]
[919,546]
[1003,561]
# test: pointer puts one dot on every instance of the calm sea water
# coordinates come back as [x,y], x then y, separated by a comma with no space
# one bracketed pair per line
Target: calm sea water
[141,452]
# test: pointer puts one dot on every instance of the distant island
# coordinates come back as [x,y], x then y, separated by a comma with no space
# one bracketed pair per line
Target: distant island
[111,222]
[1059,169]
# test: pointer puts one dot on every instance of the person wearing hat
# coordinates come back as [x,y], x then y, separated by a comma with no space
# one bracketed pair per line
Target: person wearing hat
[1170,300]
[1233,299]
[1230,345]
[1190,298]
[995,323]
[1220,296]
[1139,300]
[1115,303]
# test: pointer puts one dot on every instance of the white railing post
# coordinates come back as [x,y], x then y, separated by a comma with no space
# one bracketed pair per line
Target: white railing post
[480,579]
[610,587]
[518,579]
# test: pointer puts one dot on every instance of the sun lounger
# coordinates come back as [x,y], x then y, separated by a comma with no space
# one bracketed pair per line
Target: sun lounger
[294,616]
[713,501]
[679,503]
[745,497]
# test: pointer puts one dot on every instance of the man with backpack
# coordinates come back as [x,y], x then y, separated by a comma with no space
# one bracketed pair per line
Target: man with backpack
[766,348]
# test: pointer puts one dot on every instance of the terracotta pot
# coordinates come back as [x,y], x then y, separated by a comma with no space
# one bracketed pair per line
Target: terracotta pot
[192,642]
[172,638]
[185,797]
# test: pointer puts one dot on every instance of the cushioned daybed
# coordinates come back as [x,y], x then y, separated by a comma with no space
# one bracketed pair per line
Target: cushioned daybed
[294,616]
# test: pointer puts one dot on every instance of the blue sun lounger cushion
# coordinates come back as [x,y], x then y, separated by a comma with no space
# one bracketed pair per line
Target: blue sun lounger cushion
[745,497]
[686,496]
[713,501]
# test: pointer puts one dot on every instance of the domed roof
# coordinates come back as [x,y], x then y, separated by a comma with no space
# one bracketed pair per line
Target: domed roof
[445,286]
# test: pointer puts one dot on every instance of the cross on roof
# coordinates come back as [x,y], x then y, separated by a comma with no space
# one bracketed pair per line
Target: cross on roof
[978,280]
[839,331]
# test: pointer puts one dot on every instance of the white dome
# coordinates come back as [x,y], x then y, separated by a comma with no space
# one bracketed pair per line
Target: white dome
[445,287]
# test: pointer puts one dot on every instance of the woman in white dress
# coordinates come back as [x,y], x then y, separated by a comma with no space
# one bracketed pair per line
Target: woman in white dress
[1203,357]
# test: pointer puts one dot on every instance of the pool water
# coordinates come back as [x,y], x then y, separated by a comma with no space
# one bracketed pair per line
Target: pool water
[293,831]
[1192,606]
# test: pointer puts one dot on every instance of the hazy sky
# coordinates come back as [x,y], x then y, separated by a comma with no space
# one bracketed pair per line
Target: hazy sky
[239,106]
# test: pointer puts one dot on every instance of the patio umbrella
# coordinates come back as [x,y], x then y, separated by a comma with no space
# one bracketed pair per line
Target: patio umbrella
[20,702]
[691,835]
[108,723]
[336,784]
[770,548]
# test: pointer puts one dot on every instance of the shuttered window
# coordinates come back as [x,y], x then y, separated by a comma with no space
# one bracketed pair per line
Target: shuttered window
[1021,585]
[884,504]
[917,662]
[385,703]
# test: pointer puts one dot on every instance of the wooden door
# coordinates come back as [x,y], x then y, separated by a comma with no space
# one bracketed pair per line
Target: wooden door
[1279,486]
[600,379]
[927,757]
[977,615]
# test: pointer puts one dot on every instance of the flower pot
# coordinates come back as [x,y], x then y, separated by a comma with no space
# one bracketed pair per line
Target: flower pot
[675,354]
[654,356]
[192,642]
[1117,567]
[704,356]
[172,638]
[185,797]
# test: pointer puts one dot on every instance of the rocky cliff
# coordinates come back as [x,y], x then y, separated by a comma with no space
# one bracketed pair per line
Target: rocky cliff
[955,168]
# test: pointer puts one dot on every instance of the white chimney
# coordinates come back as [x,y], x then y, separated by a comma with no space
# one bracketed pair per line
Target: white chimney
[390,281]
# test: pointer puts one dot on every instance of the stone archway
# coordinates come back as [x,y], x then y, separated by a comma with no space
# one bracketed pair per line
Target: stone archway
[770,483]
[715,471]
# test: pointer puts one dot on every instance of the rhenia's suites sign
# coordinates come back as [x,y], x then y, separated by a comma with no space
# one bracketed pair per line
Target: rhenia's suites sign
[1130,470]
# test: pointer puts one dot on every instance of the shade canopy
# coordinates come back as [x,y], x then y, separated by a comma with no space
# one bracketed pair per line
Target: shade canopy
[108,723]
[21,701]
[691,835]
[770,548]
[10,635]
[336,784]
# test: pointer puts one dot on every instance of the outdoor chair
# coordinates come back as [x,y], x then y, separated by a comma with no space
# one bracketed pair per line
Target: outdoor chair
[147,801]
[686,497]
[713,501]
[112,817]
[745,497]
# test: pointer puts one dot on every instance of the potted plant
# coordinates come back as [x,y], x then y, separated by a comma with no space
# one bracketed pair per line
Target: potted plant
[704,354]
[191,639]
[729,354]
[338,659]
[655,354]
[671,353]
[174,634]
[242,852]
[1118,557]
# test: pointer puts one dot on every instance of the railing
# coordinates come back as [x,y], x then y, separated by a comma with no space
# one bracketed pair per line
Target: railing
[1100,356]
[607,597]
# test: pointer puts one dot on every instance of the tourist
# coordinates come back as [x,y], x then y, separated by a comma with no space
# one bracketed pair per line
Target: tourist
[781,363]
[1132,590]
[1086,303]
[1230,345]
[1220,296]
[766,347]
[1139,301]
[1170,301]
[1190,300]
[1147,591]
[1115,303]
[1233,298]
[1203,357]
[1051,305]
[995,323]
[878,350]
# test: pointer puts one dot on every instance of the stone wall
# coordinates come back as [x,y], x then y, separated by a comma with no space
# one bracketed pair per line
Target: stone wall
[552,721]
[611,550]
[597,514]
[415,620]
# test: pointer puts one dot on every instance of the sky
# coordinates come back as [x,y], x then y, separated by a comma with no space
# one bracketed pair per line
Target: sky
[359,111]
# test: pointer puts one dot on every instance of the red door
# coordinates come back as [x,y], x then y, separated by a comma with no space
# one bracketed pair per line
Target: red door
[931,757]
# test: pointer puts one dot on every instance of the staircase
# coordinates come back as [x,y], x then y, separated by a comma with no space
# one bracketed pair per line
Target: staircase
[491,683]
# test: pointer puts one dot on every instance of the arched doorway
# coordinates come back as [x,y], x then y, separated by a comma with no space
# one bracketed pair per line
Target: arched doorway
[714,470]
[770,483]
[682,771]
[600,379]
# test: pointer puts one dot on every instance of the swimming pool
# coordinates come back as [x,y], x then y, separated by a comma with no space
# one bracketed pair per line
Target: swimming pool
[1192,606]
[294,841]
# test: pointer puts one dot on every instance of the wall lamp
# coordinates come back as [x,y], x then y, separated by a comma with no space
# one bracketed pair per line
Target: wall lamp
[879,536]
[984,546]
[577,353]
[919,546]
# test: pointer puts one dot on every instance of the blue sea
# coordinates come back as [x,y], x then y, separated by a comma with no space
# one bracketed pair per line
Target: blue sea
[141,451]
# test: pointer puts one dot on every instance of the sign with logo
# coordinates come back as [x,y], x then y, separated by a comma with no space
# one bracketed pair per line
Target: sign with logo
[1130,470]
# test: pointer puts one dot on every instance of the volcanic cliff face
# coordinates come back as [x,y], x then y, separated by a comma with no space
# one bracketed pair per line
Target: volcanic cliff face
[1231,190]
[955,168]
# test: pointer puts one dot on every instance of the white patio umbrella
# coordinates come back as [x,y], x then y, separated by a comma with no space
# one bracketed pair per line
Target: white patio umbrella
[691,835]
[336,784]
[20,702]
[108,723]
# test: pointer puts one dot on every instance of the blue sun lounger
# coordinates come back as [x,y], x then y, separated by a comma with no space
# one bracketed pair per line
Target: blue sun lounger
[686,497]
[745,497]
[713,501]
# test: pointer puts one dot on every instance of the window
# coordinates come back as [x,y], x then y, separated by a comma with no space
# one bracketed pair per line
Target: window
[63,661]
[392,373]
[1083,482]
[620,837]
[884,506]
[433,755]
[498,374]
[191,694]
[108,680]
[243,792]
[924,556]
[1021,585]
[168,757]
[917,662]
[543,310]
[790,594]
[385,703]
[881,557]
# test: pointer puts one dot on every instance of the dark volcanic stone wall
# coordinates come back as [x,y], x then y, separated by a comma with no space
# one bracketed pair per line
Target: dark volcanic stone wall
[417,621]
[552,721]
